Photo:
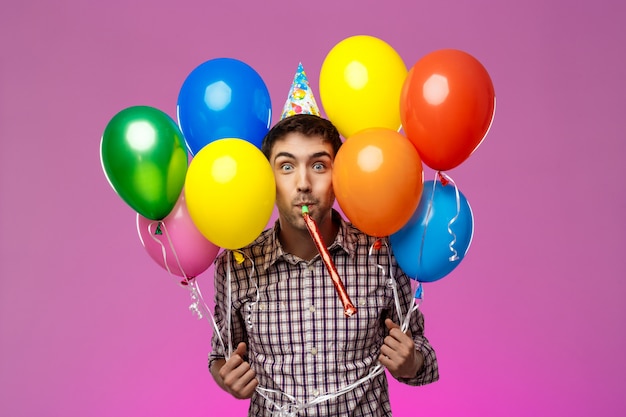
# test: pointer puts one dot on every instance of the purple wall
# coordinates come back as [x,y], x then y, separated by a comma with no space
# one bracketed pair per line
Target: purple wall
[532,323]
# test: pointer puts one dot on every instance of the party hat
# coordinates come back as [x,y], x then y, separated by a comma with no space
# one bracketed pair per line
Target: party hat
[301,99]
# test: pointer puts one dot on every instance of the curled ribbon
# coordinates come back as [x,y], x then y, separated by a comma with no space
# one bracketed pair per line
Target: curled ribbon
[445,180]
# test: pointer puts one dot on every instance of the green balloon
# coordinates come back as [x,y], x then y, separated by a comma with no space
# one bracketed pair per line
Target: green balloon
[144,157]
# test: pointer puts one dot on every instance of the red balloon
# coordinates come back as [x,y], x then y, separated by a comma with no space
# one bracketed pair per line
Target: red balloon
[447,106]
[378,180]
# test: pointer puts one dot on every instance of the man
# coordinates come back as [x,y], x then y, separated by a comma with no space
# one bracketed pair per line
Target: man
[296,352]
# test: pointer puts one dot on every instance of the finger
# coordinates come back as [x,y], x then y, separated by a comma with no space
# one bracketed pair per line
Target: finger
[242,349]
[250,387]
[391,324]
[395,331]
[398,350]
[245,386]
[394,328]
[240,378]
[403,338]
[387,352]
[235,359]
[391,342]
[386,361]
[234,362]
[247,391]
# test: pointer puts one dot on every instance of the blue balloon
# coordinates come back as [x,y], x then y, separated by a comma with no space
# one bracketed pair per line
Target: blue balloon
[424,247]
[223,98]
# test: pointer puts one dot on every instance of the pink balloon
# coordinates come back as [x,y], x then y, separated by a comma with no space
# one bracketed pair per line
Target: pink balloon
[179,247]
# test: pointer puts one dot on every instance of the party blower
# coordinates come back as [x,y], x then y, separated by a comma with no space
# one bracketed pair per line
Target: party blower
[348,308]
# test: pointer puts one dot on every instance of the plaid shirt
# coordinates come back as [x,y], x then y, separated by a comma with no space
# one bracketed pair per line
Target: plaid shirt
[299,341]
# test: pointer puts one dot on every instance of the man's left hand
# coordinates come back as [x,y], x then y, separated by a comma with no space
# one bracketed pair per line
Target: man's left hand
[398,353]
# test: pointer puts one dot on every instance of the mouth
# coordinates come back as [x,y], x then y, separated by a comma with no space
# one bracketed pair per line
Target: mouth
[301,204]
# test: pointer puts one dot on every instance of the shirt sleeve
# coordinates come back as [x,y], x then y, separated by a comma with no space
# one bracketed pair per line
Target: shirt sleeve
[219,341]
[429,371]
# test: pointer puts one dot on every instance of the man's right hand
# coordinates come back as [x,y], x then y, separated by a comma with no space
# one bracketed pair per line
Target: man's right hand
[235,375]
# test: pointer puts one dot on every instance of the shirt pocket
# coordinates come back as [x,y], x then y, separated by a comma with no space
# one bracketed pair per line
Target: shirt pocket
[269,324]
[364,330]
[273,342]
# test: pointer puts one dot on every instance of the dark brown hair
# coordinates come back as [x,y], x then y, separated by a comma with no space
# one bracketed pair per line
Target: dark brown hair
[306,124]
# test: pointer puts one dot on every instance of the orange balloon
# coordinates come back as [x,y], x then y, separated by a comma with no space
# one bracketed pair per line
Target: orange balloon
[447,107]
[378,180]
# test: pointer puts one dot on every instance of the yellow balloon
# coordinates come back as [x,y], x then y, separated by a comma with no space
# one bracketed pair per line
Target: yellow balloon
[360,84]
[230,192]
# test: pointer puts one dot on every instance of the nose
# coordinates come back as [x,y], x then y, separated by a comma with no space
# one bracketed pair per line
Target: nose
[303,181]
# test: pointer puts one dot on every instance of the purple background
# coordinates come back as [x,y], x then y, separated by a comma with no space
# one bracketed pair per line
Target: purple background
[532,323]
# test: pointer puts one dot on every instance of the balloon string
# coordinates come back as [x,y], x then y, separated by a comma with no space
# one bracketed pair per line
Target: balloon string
[292,407]
[375,371]
[198,306]
[230,303]
[418,291]
[256,288]
[447,179]
[427,220]
[160,228]
[391,282]
[239,258]
[404,320]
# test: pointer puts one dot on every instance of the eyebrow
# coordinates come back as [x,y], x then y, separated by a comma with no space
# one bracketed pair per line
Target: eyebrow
[292,156]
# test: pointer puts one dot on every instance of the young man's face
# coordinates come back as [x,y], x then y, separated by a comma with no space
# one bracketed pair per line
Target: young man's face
[303,171]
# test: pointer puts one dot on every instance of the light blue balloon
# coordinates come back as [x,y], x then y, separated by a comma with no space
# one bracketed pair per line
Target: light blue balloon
[223,98]
[424,248]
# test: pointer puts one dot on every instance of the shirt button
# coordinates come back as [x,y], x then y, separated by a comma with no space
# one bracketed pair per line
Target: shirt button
[313,350]
[310,269]
[312,308]
[316,392]
[362,301]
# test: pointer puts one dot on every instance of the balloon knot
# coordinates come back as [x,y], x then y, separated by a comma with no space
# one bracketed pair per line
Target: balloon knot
[419,292]
[378,244]
[238,257]
[158,230]
[187,281]
[444,180]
